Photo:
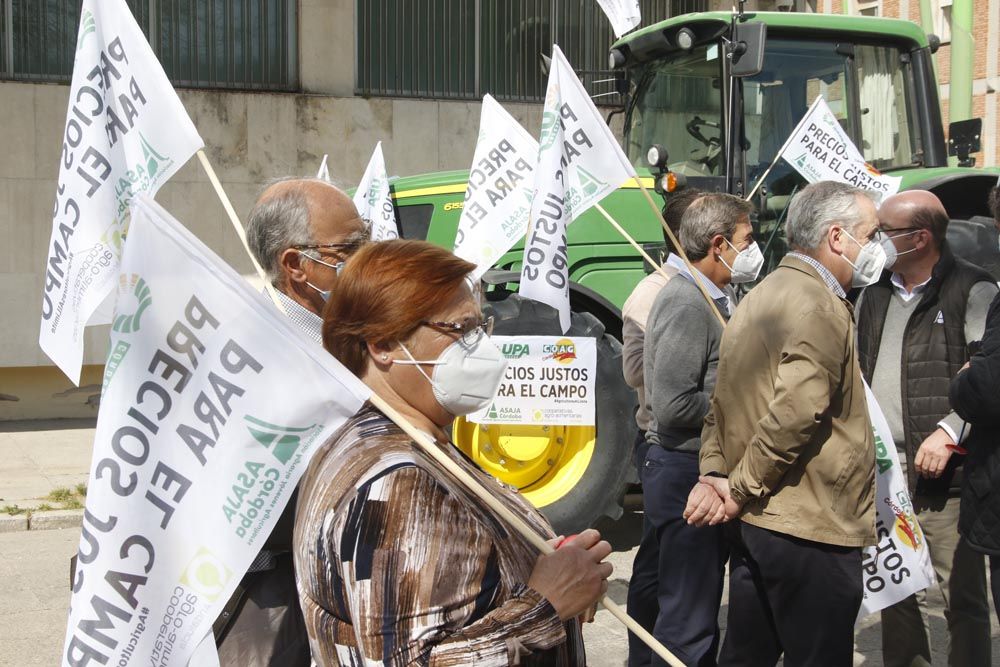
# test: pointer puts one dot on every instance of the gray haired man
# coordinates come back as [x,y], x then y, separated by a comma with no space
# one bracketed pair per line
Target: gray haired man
[787,444]
[300,231]
[680,360]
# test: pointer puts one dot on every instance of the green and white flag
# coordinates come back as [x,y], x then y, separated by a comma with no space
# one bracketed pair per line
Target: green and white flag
[900,563]
[498,195]
[205,427]
[373,198]
[126,133]
[820,150]
[624,15]
[579,163]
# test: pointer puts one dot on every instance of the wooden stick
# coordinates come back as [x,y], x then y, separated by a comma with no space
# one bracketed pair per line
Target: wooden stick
[431,448]
[631,240]
[238,226]
[680,252]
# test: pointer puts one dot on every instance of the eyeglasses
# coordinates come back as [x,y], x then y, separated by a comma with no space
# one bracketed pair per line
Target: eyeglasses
[347,246]
[470,329]
[887,230]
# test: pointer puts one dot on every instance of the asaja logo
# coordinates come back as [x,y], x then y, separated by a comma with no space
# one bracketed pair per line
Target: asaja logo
[281,441]
[589,183]
[515,350]
[563,351]
[87,26]
[206,575]
[134,298]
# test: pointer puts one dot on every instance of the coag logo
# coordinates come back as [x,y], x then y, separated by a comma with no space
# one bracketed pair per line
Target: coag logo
[281,441]
[905,526]
[134,298]
[563,351]
[515,350]
[207,575]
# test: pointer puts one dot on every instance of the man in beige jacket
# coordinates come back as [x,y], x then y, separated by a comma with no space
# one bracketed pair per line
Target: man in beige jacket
[787,446]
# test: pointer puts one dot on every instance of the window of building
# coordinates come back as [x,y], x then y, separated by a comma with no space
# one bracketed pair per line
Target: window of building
[462,49]
[942,20]
[868,8]
[238,44]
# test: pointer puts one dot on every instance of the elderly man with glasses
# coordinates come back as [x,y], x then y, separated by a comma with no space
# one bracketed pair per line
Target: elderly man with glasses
[301,231]
[915,326]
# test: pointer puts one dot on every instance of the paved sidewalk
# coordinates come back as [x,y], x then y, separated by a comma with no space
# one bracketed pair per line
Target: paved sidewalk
[37,458]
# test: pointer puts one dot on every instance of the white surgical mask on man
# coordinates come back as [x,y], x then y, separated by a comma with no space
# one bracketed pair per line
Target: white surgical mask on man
[338,267]
[746,267]
[868,264]
[891,254]
[466,376]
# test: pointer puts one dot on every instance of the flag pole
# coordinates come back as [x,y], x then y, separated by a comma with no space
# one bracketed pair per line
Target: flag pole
[434,451]
[238,226]
[520,525]
[632,241]
[681,253]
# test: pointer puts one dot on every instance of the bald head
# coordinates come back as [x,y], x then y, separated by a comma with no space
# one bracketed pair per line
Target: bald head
[918,209]
[299,212]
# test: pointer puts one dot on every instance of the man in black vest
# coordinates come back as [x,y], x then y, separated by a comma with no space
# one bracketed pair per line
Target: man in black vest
[914,327]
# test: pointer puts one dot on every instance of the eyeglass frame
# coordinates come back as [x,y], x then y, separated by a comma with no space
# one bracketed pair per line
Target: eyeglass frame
[887,232]
[468,336]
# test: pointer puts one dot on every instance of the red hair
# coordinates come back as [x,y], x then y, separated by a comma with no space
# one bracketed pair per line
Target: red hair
[383,293]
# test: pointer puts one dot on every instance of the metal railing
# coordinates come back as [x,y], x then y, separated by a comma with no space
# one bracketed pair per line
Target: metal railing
[232,44]
[462,49]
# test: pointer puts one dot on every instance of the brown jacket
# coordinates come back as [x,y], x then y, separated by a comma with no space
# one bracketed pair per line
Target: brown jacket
[788,422]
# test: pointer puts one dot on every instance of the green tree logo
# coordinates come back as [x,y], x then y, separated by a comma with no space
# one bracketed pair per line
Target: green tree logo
[590,184]
[87,25]
[281,441]
[134,298]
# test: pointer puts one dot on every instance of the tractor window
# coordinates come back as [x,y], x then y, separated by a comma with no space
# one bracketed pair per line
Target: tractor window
[678,106]
[887,137]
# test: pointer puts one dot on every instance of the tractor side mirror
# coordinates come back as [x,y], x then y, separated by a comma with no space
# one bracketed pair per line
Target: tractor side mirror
[748,48]
[964,139]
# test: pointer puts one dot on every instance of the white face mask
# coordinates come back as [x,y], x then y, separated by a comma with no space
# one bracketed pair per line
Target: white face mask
[891,254]
[338,267]
[868,264]
[466,377]
[746,267]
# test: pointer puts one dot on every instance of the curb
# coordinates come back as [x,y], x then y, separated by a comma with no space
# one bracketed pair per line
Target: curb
[51,520]
[55,519]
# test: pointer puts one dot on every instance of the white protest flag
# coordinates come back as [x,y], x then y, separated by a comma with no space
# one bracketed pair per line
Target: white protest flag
[501,183]
[820,150]
[205,427]
[126,132]
[624,15]
[579,163]
[374,199]
[324,170]
[900,563]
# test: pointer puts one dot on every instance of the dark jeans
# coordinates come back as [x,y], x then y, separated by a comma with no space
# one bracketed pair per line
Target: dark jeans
[791,596]
[678,573]
[640,448]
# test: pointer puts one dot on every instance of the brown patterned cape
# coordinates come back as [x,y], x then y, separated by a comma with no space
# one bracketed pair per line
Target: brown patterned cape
[396,563]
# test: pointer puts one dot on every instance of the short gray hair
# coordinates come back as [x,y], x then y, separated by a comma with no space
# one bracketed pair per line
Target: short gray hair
[276,224]
[708,215]
[819,206]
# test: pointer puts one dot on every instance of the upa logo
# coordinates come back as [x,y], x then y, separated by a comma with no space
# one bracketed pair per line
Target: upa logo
[281,441]
[563,351]
[206,575]
[515,350]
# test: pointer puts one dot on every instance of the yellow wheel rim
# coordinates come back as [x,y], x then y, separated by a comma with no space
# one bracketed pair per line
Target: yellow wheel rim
[543,462]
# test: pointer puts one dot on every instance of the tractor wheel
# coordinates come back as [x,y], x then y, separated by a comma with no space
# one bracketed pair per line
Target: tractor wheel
[574,474]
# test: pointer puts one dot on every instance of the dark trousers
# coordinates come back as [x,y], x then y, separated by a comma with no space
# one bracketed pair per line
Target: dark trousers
[678,573]
[791,596]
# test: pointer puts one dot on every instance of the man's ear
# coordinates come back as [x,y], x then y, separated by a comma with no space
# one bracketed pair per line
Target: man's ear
[290,263]
[835,239]
[718,244]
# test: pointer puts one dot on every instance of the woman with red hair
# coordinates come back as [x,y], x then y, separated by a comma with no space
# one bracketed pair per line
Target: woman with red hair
[396,562]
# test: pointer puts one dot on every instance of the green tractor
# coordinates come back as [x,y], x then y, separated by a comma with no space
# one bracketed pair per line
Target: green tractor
[709,100]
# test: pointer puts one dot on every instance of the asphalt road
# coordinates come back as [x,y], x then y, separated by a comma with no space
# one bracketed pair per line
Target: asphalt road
[34,598]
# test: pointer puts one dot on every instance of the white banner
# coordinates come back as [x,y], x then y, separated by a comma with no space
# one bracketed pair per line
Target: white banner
[549,380]
[498,196]
[126,132]
[820,150]
[205,427]
[373,198]
[624,15]
[579,163]
[900,564]
[324,171]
